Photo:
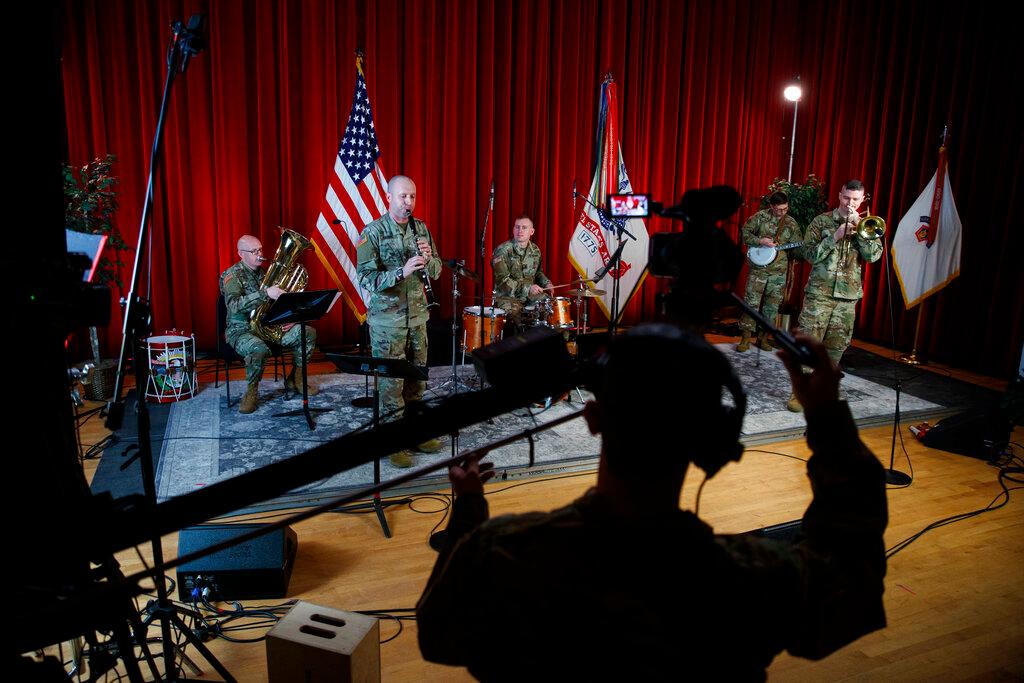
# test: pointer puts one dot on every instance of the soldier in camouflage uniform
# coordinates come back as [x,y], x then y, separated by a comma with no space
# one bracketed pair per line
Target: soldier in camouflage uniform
[391,252]
[518,278]
[648,591]
[836,253]
[771,227]
[240,286]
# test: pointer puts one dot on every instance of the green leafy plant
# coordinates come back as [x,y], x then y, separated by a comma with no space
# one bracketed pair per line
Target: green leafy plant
[89,206]
[805,201]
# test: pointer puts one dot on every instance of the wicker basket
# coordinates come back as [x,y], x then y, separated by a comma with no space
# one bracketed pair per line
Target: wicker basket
[100,386]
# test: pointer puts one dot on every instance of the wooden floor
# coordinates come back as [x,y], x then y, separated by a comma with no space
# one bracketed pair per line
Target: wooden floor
[954,598]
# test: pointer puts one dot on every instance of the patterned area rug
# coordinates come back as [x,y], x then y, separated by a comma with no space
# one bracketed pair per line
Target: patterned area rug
[205,441]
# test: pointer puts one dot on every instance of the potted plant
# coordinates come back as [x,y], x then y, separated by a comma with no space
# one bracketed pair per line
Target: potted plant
[805,201]
[90,202]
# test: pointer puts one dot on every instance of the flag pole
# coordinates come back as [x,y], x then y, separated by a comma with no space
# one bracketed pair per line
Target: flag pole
[912,358]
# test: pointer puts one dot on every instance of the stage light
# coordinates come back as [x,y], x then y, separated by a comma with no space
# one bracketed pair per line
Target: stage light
[793,93]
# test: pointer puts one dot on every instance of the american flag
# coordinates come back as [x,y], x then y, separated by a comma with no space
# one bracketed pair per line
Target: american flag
[354,198]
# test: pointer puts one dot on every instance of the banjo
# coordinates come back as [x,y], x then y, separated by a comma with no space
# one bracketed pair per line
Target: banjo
[762,256]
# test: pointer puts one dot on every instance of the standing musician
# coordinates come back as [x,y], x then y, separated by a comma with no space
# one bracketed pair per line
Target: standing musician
[396,255]
[766,285]
[241,287]
[518,278]
[836,252]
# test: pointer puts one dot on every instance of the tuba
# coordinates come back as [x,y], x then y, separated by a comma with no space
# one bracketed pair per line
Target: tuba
[287,273]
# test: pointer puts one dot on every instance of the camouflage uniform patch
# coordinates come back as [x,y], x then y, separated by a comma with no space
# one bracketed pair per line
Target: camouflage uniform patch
[242,294]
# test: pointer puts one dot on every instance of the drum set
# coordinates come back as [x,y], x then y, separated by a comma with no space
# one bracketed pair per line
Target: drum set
[553,312]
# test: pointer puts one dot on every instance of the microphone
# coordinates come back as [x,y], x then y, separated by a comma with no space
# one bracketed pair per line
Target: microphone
[193,39]
[574,189]
[491,200]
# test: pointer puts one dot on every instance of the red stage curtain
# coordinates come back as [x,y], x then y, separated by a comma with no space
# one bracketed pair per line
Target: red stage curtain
[465,92]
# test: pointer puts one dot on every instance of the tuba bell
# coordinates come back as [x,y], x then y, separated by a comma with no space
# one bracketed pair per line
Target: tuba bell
[285,272]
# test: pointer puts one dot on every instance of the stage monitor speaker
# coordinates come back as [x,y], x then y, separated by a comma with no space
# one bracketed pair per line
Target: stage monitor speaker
[975,433]
[258,568]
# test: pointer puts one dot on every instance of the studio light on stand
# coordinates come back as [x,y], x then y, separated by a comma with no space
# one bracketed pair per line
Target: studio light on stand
[793,93]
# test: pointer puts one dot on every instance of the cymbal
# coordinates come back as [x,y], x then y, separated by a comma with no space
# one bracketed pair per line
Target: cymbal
[462,270]
[584,292]
[577,281]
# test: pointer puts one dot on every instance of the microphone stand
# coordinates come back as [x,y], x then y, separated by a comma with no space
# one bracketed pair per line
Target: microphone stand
[186,41]
[893,476]
[483,266]
[620,230]
[454,384]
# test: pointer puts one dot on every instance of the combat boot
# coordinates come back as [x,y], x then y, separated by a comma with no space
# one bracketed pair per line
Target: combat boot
[430,446]
[401,459]
[793,405]
[252,397]
[744,344]
[763,342]
[295,385]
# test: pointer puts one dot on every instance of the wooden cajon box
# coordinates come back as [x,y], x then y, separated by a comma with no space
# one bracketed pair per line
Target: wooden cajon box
[315,644]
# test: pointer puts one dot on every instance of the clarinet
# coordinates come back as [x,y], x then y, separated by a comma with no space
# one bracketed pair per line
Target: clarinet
[427,289]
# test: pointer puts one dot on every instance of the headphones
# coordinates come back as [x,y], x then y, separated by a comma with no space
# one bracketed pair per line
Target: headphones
[716,430]
[718,443]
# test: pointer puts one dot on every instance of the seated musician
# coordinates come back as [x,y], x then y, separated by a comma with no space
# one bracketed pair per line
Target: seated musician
[241,287]
[518,278]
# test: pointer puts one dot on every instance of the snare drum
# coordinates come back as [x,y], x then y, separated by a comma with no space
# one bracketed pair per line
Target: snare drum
[172,368]
[560,313]
[471,326]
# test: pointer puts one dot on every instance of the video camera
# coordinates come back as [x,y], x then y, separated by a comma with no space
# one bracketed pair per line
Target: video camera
[702,260]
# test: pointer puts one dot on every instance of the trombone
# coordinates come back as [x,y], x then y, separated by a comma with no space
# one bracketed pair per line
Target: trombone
[868,228]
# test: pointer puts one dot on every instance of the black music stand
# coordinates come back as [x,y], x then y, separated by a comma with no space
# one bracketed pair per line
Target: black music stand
[301,308]
[398,368]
